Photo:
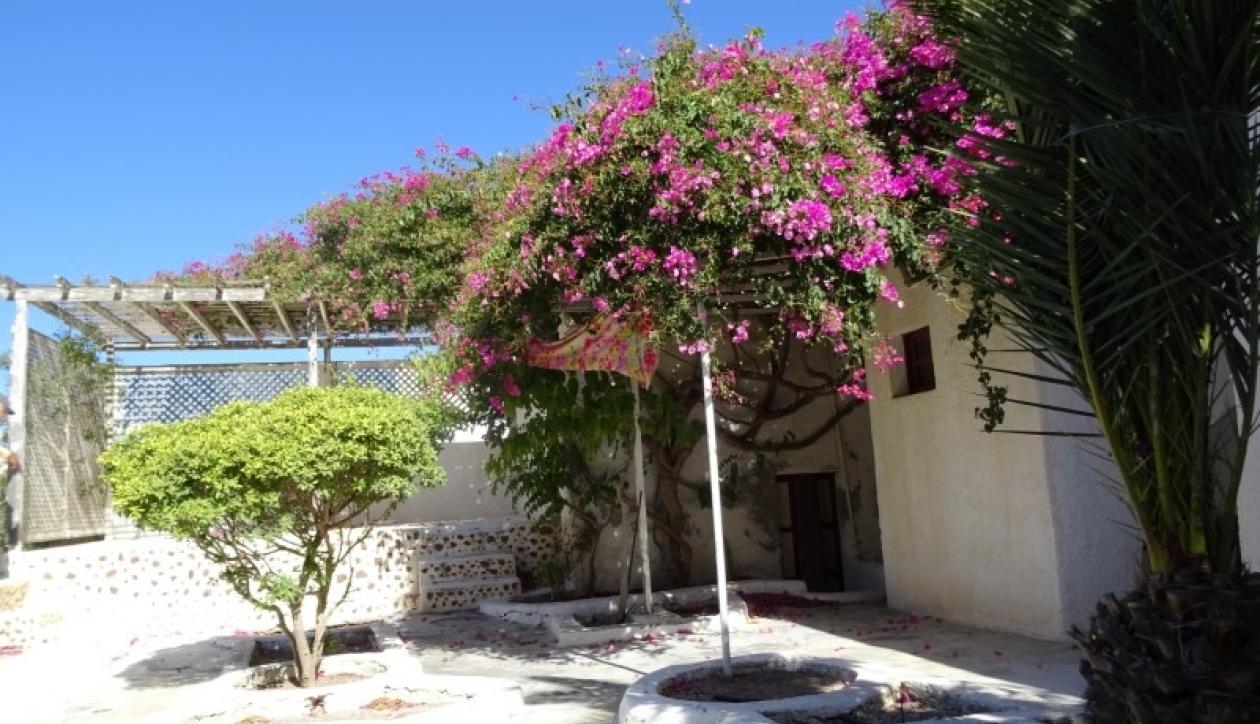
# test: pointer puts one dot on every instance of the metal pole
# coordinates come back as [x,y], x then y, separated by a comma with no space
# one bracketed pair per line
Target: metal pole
[644,553]
[715,491]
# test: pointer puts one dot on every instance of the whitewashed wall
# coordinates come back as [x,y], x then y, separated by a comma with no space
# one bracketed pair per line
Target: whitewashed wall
[466,494]
[1005,531]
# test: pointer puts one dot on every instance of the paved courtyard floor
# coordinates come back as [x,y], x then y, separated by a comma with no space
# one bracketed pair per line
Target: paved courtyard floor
[145,677]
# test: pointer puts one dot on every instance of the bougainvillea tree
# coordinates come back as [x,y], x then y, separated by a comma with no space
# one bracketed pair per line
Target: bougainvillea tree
[391,250]
[751,200]
[747,200]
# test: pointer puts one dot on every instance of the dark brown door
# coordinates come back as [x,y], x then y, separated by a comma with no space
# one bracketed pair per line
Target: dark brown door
[812,532]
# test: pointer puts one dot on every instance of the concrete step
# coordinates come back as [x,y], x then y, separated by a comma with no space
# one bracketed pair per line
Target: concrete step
[465,594]
[465,566]
[462,537]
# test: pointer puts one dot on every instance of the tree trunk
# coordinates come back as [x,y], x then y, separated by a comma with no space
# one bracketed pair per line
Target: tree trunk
[671,523]
[304,662]
[627,551]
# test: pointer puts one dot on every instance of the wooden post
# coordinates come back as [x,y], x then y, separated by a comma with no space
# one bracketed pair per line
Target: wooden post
[20,355]
[312,347]
[329,377]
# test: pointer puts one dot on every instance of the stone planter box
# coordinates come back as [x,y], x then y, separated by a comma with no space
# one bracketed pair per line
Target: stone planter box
[390,676]
[537,614]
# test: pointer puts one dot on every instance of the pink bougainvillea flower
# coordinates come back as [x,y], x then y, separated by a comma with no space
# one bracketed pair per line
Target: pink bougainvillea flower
[695,347]
[510,388]
[680,265]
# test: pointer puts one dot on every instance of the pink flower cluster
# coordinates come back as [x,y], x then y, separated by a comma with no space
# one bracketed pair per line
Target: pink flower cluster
[831,321]
[635,259]
[856,387]
[803,220]
[931,53]
[885,356]
[680,265]
[695,347]
[944,97]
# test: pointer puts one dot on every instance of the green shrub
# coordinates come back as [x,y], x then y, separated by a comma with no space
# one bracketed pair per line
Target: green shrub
[270,491]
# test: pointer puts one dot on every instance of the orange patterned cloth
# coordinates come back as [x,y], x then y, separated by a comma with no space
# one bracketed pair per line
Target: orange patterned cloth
[603,345]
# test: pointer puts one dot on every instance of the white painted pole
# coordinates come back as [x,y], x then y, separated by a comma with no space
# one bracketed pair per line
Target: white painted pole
[644,546]
[312,348]
[715,491]
[19,354]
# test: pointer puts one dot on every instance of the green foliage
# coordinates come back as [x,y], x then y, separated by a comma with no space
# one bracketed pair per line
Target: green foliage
[269,490]
[569,421]
[310,457]
[394,249]
[1125,254]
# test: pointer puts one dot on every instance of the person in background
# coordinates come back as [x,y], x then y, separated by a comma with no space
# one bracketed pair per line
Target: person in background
[8,459]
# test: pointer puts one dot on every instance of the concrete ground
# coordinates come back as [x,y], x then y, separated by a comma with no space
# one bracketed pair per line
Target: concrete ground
[117,677]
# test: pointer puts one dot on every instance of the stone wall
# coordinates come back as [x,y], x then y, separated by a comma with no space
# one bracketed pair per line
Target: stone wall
[155,583]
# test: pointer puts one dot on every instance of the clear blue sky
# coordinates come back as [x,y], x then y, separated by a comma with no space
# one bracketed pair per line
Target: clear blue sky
[136,136]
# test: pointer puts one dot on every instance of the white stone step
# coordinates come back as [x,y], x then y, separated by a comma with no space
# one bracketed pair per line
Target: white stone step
[460,537]
[465,566]
[464,594]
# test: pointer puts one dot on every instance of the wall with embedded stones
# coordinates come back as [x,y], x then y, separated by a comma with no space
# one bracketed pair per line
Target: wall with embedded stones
[156,584]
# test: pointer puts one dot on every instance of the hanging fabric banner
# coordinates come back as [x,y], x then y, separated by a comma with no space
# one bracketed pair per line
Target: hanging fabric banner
[607,344]
[604,344]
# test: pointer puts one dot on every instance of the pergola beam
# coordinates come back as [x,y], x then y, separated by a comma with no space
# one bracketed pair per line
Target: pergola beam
[144,309]
[200,319]
[323,317]
[124,293]
[245,323]
[285,321]
[232,344]
[118,321]
[68,319]
[236,315]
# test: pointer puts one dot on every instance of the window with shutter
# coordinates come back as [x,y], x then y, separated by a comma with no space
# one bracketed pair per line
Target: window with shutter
[917,373]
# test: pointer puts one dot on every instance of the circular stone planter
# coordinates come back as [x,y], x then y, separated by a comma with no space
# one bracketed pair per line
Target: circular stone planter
[643,702]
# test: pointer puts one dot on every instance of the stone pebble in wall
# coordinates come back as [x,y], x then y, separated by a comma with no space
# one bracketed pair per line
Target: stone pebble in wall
[168,583]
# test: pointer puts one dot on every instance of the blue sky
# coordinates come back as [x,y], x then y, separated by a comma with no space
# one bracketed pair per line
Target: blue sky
[136,136]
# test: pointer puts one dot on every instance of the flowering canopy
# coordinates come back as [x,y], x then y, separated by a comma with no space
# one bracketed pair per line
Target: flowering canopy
[721,177]
[394,248]
[734,179]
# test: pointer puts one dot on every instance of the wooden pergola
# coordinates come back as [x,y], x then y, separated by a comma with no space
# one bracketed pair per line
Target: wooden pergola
[125,317]
[244,315]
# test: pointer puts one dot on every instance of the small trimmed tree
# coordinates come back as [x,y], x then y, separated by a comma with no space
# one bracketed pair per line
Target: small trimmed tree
[270,491]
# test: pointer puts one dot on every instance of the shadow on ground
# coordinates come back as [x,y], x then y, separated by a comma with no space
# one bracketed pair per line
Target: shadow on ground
[191,663]
[591,693]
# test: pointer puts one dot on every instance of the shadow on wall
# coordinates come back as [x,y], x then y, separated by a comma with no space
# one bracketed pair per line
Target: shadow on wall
[465,495]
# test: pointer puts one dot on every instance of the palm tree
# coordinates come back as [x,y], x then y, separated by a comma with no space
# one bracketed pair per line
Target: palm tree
[1119,245]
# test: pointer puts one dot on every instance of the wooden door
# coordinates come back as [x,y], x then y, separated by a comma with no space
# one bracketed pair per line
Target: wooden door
[811,531]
